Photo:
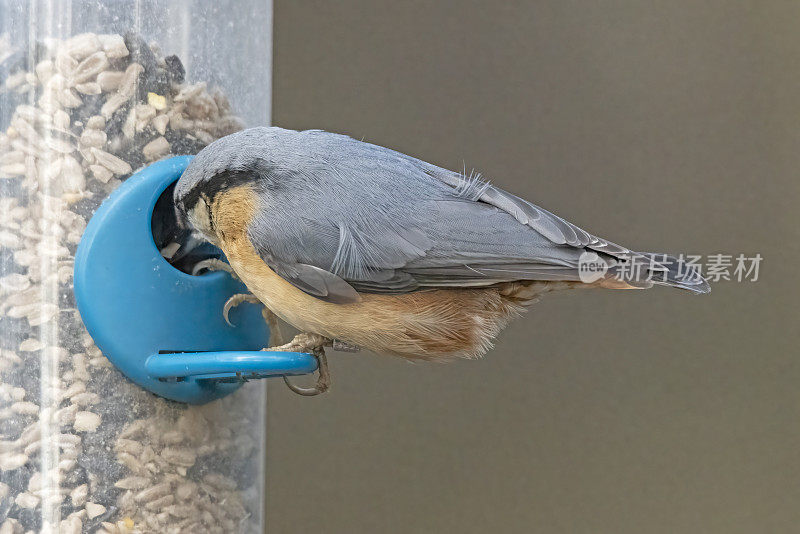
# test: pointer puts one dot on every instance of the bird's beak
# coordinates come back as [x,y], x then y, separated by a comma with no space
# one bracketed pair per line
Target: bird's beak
[178,243]
[187,249]
[184,242]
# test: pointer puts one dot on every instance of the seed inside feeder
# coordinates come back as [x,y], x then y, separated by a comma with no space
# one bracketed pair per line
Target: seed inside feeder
[97,108]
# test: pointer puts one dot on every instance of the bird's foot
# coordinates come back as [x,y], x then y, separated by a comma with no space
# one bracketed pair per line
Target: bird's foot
[237,299]
[269,317]
[213,264]
[314,344]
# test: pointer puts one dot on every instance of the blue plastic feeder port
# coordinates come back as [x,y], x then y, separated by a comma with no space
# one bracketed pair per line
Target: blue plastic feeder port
[161,327]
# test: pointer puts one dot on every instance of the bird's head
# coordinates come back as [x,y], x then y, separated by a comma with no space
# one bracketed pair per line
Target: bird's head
[224,164]
[193,198]
[193,213]
[245,157]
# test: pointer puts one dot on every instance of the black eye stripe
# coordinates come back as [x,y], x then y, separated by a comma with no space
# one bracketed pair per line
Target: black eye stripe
[209,188]
[208,210]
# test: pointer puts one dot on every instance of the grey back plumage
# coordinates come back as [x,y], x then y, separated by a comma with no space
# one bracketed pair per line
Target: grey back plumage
[338,215]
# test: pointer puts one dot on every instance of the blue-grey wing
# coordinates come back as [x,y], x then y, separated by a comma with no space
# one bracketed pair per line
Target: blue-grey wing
[339,215]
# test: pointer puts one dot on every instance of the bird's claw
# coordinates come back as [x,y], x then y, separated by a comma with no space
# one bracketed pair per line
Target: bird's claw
[213,264]
[314,344]
[234,301]
[323,380]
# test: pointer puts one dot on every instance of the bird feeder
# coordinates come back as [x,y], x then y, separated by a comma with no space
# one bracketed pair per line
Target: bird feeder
[98,102]
[161,327]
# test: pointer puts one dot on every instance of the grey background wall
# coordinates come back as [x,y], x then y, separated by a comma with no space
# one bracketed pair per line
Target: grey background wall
[667,126]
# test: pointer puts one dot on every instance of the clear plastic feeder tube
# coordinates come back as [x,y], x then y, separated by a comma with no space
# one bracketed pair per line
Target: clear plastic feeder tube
[90,92]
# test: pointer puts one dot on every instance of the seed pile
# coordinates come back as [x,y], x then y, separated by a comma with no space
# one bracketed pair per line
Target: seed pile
[82,449]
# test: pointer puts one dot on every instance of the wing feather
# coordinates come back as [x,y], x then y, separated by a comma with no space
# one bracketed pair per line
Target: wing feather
[317,282]
[340,216]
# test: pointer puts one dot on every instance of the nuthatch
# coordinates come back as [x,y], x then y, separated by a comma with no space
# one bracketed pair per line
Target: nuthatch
[355,243]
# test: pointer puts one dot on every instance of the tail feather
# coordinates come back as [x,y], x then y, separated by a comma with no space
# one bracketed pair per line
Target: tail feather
[645,269]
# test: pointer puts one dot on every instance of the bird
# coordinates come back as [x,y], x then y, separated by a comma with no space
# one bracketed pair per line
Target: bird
[360,246]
